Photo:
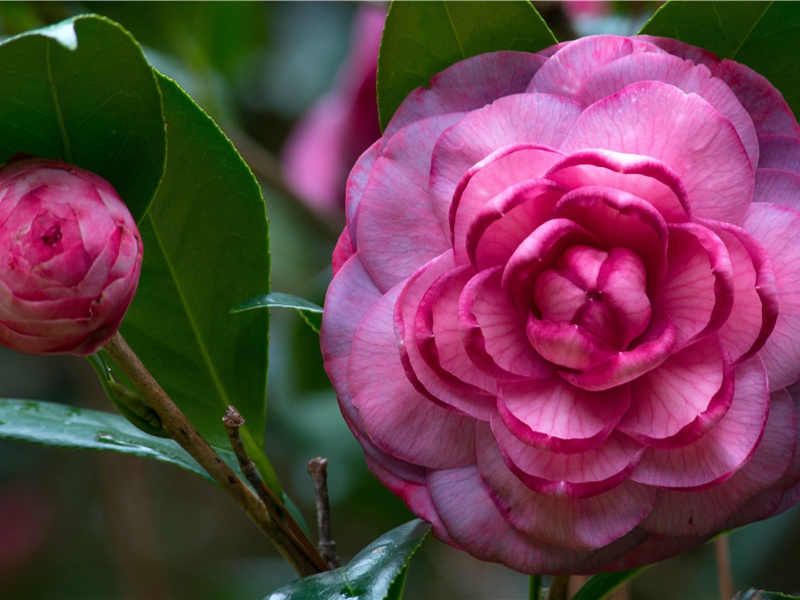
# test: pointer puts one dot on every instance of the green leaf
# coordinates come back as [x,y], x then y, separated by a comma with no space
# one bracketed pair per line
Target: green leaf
[205,248]
[61,426]
[600,586]
[82,91]
[765,36]
[311,313]
[369,576]
[421,39]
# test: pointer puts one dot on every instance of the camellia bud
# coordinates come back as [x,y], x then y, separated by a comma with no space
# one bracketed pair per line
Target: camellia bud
[71,258]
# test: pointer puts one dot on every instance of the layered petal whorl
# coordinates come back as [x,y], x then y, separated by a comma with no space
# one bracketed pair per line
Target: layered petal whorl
[566,305]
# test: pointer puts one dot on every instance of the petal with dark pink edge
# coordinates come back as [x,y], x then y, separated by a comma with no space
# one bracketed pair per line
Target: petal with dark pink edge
[472,518]
[485,180]
[539,119]
[724,449]
[567,345]
[608,212]
[568,475]
[568,69]
[438,336]
[494,332]
[397,418]
[553,415]
[579,523]
[697,291]
[675,404]
[755,299]
[449,392]
[654,348]
[356,183]
[687,513]
[654,548]
[498,228]
[777,228]
[343,250]
[688,77]
[763,102]
[641,176]
[683,50]
[683,131]
[467,85]
[396,231]
[780,152]
[538,252]
[777,187]
[351,295]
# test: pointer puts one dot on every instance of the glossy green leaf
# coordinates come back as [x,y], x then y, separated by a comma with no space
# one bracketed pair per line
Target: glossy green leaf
[369,576]
[421,39]
[205,248]
[311,313]
[83,92]
[61,426]
[600,586]
[765,36]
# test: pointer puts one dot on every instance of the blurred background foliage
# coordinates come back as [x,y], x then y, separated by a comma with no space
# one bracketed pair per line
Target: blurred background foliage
[86,525]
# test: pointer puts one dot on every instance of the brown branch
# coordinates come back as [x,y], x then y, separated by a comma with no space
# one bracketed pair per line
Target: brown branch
[178,427]
[559,588]
[318,469]
[724,575]
[280,515]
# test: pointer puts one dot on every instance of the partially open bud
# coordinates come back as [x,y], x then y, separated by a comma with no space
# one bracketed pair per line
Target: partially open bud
[70,258]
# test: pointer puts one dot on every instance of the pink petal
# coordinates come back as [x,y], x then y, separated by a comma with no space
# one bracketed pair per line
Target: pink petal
[448,391]
[655,346]
[357,183]
[724,449]
[538,252]
[781,152]
[568,345]
[394,225]
[485,180]
[438,336]
[567,71]
[697,292]
[755,299]
[538,119]
[393,414]
[675,404]
[690,78]
[777,228]
[579,523]
[574,475]
[763,102]
[688,513]
[553,415]
[474,521]
[641,176]
[777,187]
[498,228]
[606,212]
[683,131]
[493,332]
[467,85]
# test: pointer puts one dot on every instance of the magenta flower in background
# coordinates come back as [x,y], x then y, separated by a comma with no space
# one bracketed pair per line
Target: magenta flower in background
[72,258]
[328,140]
[565,313]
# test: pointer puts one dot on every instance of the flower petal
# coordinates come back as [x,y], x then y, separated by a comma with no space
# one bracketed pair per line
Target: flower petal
[724,449]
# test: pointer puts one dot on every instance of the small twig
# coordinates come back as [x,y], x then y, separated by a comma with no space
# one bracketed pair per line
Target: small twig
[180,429]
[559,588]
[724,575]
[318,469]
[233,421]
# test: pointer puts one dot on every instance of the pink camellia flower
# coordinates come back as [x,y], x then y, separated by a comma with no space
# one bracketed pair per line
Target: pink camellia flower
[328,140]
[566,305]
[72,257]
